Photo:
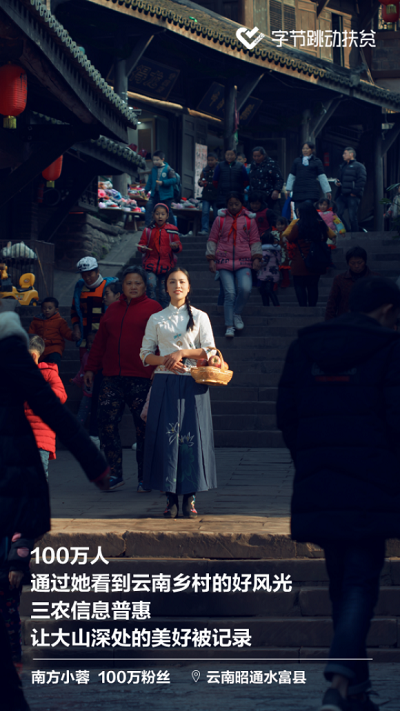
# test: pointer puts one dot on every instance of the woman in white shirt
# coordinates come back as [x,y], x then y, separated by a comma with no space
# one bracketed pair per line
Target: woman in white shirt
[179,445]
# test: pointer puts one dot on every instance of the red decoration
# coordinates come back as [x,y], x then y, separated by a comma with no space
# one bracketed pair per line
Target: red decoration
[13,93]
[326,160]
[390,11]
[53,172]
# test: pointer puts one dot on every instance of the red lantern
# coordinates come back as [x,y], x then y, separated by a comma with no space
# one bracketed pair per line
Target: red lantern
[53,172]
[326,160]
[13,93]
[390,11]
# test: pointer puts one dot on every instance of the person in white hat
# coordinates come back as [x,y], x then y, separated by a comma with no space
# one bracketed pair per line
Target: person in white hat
[87,303]
[86,311]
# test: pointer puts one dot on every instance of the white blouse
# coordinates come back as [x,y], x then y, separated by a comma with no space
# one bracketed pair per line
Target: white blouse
[166,330]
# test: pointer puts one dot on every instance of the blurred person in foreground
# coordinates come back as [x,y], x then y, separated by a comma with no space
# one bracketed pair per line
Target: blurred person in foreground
[24,493]
[339,411]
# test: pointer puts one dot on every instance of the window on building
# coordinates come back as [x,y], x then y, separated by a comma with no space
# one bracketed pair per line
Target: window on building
[282,16]
[225,8]
[337,52]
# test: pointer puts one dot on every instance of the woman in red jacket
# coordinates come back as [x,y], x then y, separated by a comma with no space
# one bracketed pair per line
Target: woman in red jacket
[125,379]
[160,245]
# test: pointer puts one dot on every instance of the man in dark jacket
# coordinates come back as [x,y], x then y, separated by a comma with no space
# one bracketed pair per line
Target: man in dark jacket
[351,183]
[230,176]
[338,301]
[24,493]
[339,411]
[265,176]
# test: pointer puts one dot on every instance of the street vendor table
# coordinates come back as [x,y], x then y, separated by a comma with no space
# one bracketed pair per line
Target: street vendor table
[192,215]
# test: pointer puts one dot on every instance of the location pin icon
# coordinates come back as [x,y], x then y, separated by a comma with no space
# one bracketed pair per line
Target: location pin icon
[195,675]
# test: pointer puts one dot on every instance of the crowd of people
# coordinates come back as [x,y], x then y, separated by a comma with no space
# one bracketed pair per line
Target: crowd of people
[139,338]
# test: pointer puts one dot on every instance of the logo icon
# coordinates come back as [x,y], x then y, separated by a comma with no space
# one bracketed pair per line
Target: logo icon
[243,32]
[196,675]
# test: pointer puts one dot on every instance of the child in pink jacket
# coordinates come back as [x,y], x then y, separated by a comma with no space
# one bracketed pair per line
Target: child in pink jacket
[326,211]
[234,249]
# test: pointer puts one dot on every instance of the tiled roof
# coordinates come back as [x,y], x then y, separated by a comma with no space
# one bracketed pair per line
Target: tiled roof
[105,144]
[222,32]
[93,77]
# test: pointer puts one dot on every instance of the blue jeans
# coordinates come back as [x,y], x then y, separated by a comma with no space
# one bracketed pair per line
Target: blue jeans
[205,214]
[237,289]
[44,456]
[354,569]
[153,280]
[352,204]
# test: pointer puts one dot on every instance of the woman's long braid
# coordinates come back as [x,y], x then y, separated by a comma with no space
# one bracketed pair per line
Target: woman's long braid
[190,323]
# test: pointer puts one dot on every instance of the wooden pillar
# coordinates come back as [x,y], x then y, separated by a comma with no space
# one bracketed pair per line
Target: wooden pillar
[230,99]
[305,127]
[120,182]
[246,13]
[378,179]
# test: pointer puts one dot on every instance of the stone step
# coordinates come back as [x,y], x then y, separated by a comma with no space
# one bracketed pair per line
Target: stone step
[251,423]
[241,407]
[239,438]
[249,393]
[117,661]
[265,632]
[298,602]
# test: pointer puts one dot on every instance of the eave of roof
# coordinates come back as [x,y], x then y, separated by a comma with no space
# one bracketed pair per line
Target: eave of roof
[103,145]
[221,36]
[59,35]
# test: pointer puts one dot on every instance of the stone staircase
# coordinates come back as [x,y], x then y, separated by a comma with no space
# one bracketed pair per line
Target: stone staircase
[293,624]
[244,411]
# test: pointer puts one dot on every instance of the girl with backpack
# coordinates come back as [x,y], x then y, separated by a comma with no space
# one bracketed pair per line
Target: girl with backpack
[234,249]
[311,256]
[160,245]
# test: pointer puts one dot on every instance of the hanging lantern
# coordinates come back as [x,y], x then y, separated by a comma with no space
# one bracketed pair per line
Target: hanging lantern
[390,11]
[13,93]
[53,172]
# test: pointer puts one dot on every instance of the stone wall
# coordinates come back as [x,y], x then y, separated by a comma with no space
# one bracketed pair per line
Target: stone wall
[83,235]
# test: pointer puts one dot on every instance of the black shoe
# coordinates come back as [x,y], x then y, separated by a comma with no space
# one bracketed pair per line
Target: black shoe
[333,701]
[188,506]
[172,509]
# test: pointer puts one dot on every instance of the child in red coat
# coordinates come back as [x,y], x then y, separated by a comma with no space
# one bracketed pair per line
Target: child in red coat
[44,436]
[160,245]
[53,329]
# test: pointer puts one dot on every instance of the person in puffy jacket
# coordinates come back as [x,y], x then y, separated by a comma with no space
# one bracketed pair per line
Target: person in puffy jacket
[307,177]
[268,275]
[264,175]
[234,249]
[338,408]
[264,216]
[160,245]
[44,436]
[351,182]
[53,329]
[301,233]
[126,381]
[24,493]
[15,555]
[229,176]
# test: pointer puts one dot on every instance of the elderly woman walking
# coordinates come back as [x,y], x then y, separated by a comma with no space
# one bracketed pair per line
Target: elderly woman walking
[126,382]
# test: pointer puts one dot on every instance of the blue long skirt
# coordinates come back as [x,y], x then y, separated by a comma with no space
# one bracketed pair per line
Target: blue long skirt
[179,443]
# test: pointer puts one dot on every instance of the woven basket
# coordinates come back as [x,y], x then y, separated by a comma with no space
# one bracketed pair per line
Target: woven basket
[208,375]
